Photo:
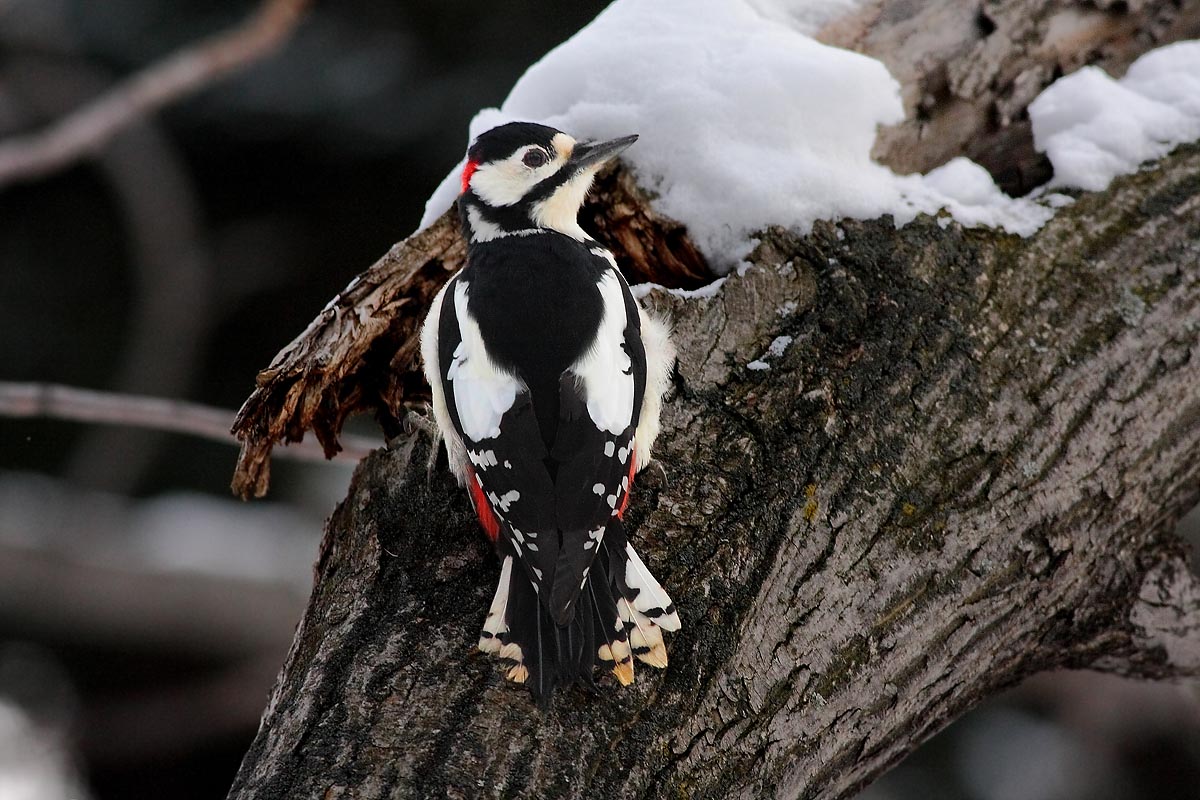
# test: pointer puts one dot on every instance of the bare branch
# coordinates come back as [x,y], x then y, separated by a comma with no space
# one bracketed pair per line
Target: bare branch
[87,129]
[84,405]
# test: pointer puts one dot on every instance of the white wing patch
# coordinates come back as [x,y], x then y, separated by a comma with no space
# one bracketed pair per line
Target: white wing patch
[604,368]
[482,393]
[455,450]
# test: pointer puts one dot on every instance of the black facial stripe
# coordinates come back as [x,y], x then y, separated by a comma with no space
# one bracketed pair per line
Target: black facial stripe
[517,216]
[548,185]
[508,218]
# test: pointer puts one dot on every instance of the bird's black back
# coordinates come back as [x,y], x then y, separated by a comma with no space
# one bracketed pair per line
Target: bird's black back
[538,306]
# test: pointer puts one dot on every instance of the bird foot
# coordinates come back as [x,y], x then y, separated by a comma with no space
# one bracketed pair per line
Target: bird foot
[415,424]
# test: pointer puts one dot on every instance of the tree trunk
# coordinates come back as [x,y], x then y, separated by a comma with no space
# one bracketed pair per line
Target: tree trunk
[960,465]
[964,468]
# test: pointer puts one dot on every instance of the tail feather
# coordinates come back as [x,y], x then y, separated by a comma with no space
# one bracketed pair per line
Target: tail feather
[495,627]
[644,606]
[645,637]
[649,598]
[614,648]
[619,614]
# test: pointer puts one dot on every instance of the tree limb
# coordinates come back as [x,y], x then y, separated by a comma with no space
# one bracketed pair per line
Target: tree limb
[964,469]
[999,55]
[90,127]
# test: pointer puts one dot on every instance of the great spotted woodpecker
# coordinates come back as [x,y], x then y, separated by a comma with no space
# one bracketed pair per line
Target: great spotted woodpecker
[547,379]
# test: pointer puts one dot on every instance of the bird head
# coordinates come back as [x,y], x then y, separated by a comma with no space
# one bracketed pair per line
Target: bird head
[523,176]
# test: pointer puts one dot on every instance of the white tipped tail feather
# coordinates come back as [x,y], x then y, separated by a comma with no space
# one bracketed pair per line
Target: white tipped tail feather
[650,599]
[494,627]
[620,615]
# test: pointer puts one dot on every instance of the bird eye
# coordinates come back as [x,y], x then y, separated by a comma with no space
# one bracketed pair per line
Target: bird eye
[535,158]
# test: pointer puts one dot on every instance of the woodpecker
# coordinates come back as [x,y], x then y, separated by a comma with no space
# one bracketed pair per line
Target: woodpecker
[547,378]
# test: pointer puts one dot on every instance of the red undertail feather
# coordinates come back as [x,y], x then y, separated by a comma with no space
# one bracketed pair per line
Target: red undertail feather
[483,509]
[629,490]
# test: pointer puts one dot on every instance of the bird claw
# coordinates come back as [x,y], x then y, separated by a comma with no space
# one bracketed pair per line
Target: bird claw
[658,467]
[415,422]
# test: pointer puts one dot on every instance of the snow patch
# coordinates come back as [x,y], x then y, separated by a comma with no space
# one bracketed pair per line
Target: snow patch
[968,192]
[779,346]
[710,289]
[1094,128]
[744,120]
[775,349]
[806,16]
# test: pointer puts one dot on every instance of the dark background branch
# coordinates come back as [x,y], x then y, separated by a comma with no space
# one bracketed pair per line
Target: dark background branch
[90,128]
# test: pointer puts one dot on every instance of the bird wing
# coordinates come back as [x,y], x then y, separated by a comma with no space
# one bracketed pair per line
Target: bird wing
[491,412]
[658,359]
[600,400]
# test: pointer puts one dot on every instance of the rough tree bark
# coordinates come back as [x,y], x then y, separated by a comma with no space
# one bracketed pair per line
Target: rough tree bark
[964,468]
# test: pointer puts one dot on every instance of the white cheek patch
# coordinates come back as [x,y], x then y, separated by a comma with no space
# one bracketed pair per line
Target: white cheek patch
[501,184]
[560,211]
[505,183]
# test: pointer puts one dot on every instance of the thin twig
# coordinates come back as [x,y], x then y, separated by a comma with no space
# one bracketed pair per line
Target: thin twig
[85,405]
[91,126]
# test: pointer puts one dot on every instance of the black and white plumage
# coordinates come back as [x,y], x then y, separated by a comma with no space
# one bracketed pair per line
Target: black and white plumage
[547,381]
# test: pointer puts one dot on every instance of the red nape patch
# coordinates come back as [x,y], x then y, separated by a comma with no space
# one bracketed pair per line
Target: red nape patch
[483,509]
[629,491]
[468,171]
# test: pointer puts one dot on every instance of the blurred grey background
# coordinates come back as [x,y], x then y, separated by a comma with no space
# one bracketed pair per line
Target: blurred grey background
[143,612]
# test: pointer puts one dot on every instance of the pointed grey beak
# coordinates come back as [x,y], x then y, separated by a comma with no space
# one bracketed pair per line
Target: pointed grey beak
[587,154]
